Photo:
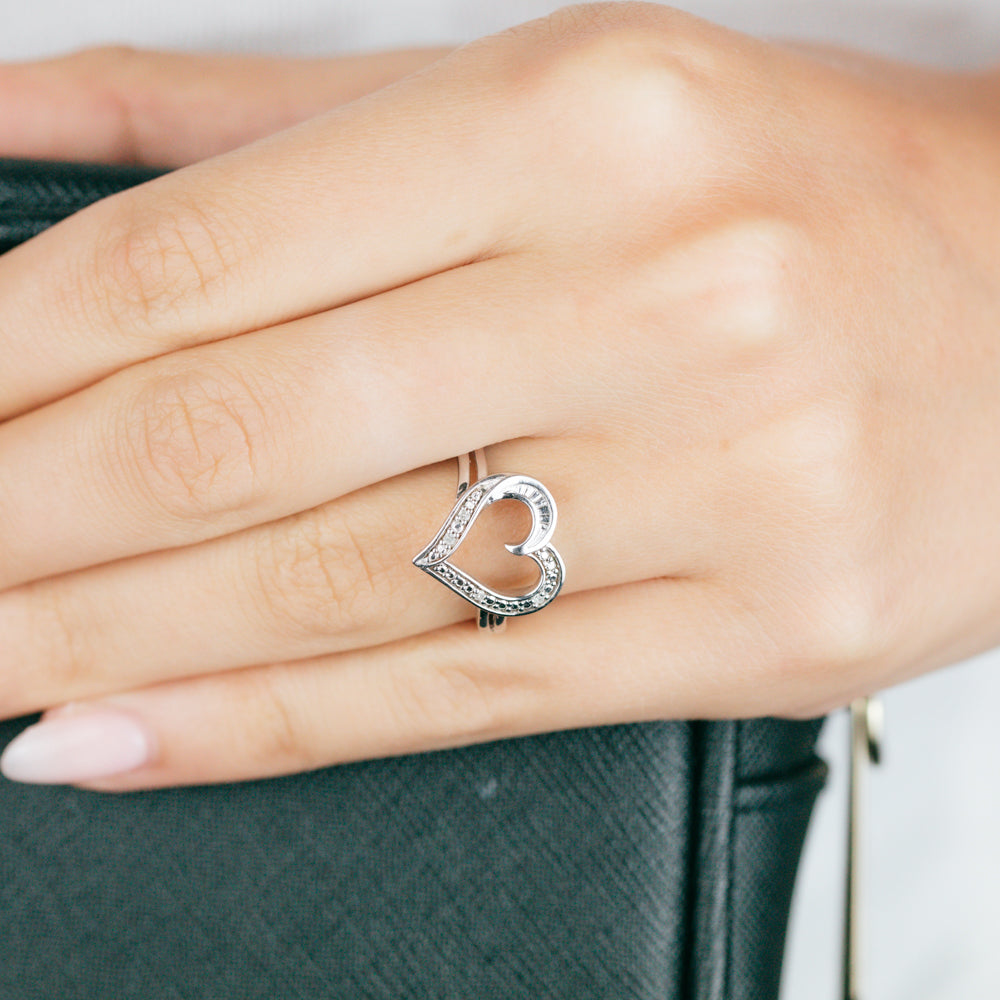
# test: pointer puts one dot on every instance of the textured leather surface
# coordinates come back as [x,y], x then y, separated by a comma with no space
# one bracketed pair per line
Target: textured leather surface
[757,785]
[36,194]
[644,862]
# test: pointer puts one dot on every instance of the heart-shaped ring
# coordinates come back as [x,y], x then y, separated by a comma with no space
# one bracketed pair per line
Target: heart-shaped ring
[473,499]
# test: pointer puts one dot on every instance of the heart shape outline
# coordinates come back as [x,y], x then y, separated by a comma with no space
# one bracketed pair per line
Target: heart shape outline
[457,525]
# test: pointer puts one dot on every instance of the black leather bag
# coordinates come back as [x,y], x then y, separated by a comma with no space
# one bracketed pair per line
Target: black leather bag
[633,862]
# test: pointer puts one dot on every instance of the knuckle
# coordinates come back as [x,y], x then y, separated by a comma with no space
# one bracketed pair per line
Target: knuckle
[278,737]
[745,291]
[321,575]
[193,441]
[849,627]
[451,703]
[831,639]
[154,266]
[64,664]
[119,82]
[636,73]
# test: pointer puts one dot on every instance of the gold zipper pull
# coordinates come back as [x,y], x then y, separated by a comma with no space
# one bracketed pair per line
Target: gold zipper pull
[867,723]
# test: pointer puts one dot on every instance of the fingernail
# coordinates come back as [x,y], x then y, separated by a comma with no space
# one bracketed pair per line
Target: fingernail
[77,746]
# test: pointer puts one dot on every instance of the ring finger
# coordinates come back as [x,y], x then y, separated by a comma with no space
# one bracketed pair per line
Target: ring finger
[334,578]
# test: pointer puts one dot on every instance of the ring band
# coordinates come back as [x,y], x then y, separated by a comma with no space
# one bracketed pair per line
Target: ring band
[474,496]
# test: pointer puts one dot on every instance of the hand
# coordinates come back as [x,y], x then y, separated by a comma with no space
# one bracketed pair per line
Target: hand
[734,304]
[168,109]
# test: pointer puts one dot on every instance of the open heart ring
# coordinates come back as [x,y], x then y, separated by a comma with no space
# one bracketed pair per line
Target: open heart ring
[473,498]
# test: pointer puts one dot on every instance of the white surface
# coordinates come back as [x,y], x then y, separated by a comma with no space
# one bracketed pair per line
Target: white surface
[931,856]
[933,872]
[940,30]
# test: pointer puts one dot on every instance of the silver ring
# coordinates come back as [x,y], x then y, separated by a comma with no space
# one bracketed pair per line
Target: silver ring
[474,496]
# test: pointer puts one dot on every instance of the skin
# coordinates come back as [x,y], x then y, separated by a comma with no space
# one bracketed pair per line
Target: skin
[735,303]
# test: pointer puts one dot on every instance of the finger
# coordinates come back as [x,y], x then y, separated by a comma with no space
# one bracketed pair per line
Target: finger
[334,578]
[230,435]
[123,105]
[410,181]
[671,650]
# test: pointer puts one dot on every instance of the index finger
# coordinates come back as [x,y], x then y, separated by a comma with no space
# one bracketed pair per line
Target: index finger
[388,189]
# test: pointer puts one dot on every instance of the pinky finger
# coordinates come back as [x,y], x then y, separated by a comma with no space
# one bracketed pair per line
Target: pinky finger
[657,649]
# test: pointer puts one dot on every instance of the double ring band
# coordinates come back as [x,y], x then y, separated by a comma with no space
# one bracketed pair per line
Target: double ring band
[474,496]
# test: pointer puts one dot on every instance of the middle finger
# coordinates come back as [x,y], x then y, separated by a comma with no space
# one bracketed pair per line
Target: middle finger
[224,436]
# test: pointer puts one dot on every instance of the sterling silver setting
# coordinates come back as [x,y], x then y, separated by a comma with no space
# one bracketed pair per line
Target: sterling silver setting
[473,499]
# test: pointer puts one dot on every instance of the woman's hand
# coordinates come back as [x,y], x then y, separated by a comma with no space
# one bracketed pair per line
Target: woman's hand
[168,109]
[735,305]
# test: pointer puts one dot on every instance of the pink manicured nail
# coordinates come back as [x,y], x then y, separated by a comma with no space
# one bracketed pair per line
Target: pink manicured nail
[77,746]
